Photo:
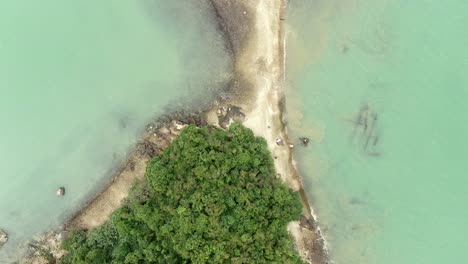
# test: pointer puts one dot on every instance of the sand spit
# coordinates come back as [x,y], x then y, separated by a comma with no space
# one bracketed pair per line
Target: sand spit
[253,30]
[259,71]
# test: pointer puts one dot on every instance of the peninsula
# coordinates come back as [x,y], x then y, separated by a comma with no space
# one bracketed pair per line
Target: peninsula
[254,35]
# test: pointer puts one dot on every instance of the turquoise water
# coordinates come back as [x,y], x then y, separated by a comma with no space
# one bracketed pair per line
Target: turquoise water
[78,82]
[404,198]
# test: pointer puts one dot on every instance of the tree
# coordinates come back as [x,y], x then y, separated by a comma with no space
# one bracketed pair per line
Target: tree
[210,197]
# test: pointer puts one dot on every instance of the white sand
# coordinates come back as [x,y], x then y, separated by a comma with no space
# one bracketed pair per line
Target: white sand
[263,65]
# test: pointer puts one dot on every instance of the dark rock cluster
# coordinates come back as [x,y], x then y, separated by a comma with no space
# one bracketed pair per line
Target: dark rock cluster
[3,237]
[228,114]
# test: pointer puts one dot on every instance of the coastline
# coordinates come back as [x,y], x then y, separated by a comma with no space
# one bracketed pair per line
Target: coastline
[263,64]
[255,35]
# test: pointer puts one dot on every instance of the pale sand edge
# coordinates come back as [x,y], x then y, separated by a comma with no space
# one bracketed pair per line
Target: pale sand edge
[263,64]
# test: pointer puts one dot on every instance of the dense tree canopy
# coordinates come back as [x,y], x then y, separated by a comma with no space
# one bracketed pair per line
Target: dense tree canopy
[211,196]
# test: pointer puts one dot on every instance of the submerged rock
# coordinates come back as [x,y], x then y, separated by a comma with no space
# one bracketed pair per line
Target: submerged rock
[304,141]
[60,191]
[150,127]
[3,237]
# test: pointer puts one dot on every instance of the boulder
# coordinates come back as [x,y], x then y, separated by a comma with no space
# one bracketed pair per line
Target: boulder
[61,191]
[304,141]
[279,142]
[235,113]
[150,127]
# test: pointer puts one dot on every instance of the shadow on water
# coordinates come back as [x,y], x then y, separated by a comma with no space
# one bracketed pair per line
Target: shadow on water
[366,133]
[357,201]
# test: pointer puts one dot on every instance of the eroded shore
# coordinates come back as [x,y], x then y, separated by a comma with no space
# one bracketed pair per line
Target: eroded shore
[254,36]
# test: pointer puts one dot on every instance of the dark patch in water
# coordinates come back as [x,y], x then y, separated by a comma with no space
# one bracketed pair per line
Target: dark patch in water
[365,127]
[357,201]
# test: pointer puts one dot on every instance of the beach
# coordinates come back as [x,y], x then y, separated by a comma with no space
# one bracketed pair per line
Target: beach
[254,34]
[263,64]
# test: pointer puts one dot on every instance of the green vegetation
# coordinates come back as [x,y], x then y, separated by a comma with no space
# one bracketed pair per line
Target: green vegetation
[211,196]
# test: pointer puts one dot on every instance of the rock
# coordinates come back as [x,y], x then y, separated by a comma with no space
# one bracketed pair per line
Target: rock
[222,111]
[147,148]
[141,148]
[3,237]
[163,143]
[279,142]
[151,151]
[45,248]
[229,114]
[179,125]
[130,165]
[164,130]
[60,191]
[235,113]
[123,121]
[225,98]
[304,141]
[150,127]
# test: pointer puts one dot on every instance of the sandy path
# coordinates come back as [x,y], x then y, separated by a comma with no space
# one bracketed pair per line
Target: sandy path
[265,68]
[263,64]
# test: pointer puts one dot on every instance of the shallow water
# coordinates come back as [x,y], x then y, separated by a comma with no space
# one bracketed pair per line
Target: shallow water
[78,82]
[396,190]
